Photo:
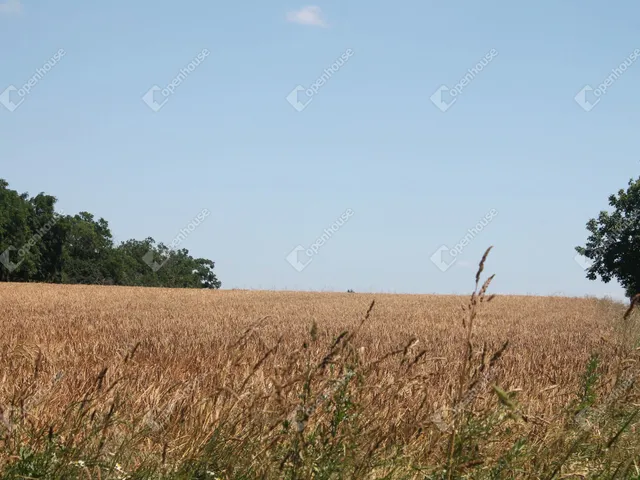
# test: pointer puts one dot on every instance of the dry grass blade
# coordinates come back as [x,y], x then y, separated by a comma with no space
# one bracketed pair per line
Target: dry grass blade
[481,265]
[485,286]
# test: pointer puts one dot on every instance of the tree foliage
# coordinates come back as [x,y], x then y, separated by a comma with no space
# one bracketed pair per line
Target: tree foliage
[613,245]
[38,244]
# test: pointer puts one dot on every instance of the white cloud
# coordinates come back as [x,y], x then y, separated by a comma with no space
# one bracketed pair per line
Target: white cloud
[310,15]
[10,6]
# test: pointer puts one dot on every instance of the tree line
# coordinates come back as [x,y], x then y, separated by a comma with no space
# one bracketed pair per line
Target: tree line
[39,244]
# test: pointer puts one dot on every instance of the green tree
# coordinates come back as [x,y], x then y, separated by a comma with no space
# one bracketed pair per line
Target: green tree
[155,265]
[613,245]
[87,251]
[16,262]
[38,244]
[48,232]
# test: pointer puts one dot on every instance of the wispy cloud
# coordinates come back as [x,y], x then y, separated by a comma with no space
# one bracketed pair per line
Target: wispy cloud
[310,15]
[10,6]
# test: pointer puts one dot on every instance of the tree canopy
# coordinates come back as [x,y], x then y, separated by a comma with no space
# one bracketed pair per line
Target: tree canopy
[38,244]
[613,245]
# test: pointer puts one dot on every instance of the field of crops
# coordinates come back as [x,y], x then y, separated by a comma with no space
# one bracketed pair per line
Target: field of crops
[116,382]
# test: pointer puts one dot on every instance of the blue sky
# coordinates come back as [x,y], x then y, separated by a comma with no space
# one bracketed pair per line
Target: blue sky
[371,140]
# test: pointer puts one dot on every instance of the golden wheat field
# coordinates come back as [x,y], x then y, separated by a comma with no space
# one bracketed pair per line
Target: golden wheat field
[158,371]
